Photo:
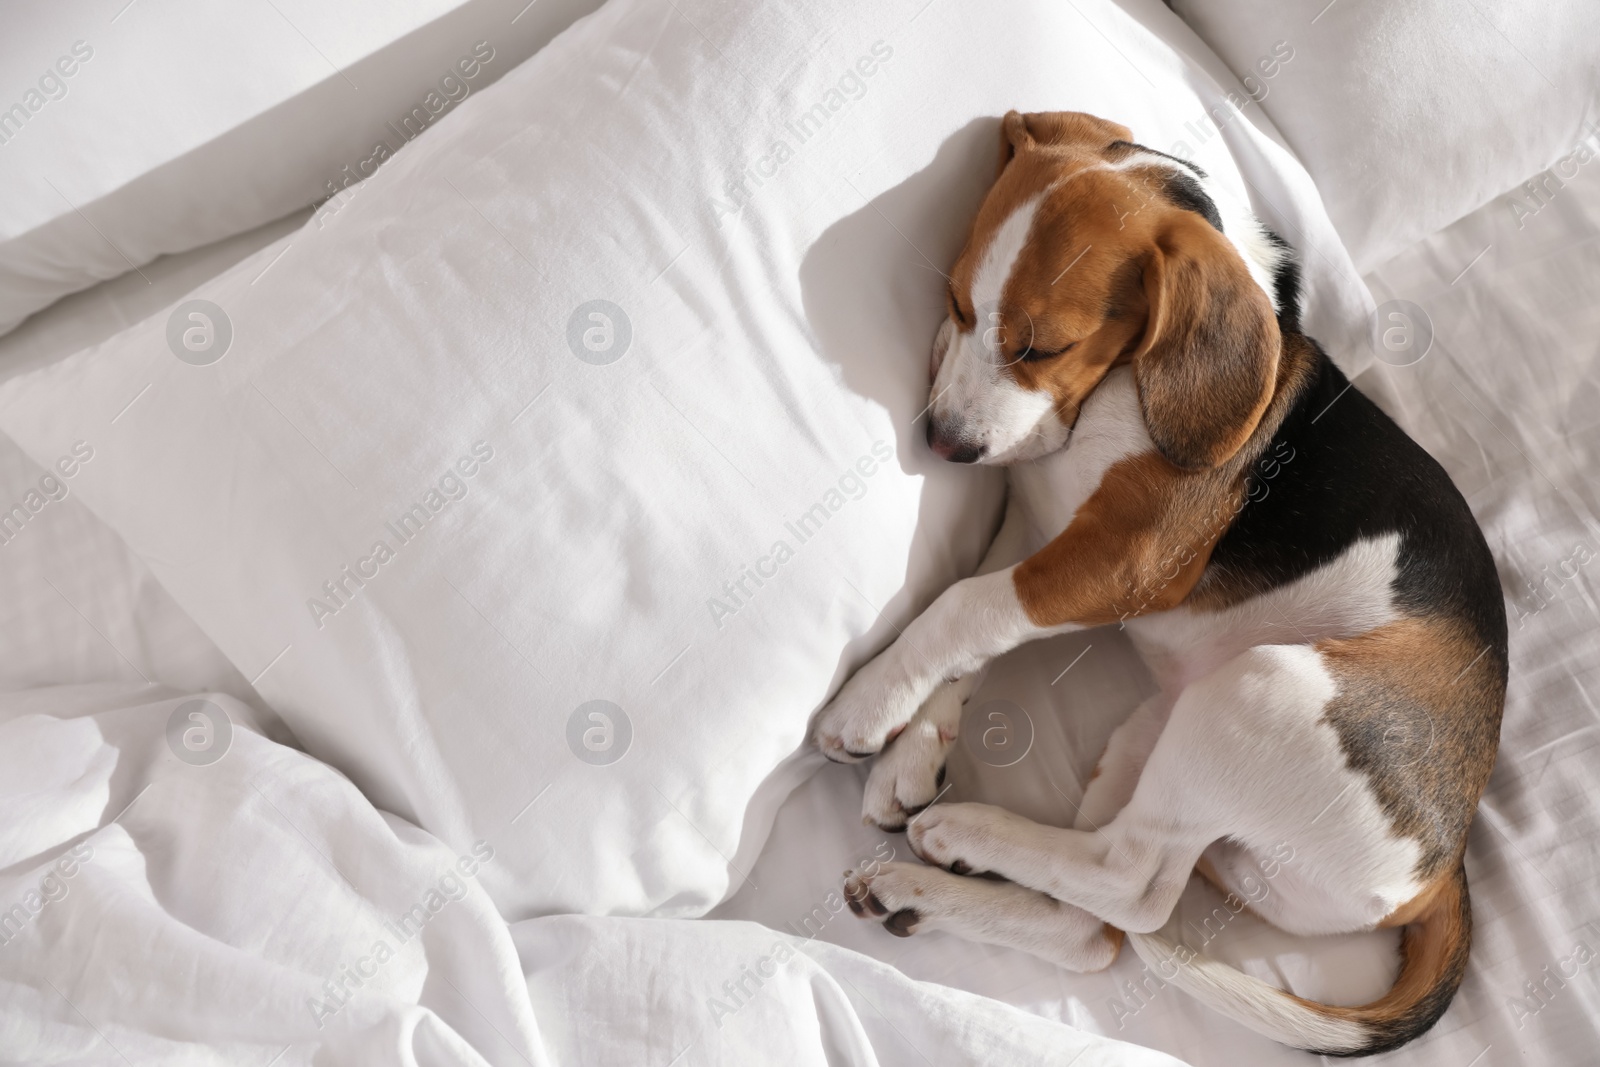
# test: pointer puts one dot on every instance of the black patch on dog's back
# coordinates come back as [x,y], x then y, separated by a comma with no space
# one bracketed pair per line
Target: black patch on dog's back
[1285,283]
[1355,475]
[1183,190]
[1180,187]
[1146,148]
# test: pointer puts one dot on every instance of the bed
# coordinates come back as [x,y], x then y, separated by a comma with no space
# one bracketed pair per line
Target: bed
[533,786]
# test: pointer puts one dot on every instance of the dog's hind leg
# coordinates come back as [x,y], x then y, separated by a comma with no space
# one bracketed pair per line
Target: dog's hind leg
[909,898]
[1246,755]
[1117,772]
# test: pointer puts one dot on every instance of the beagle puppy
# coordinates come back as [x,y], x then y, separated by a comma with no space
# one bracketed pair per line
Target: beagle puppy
[1310,591]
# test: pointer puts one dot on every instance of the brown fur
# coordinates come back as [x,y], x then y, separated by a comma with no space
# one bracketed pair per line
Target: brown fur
[1217,588]
[1433,953]
[1418,713]
[1151,284]
[1138,544]
[1142,540]
[1421,905]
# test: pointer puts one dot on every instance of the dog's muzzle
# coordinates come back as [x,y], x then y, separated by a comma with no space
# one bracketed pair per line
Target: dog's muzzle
[950,446]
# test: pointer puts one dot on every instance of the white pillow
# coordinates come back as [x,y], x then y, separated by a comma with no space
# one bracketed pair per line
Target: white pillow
[75,604]
[1413,115]
[132,130]
[623,367]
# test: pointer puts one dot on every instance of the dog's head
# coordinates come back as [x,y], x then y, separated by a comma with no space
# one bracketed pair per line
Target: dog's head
[1090,251]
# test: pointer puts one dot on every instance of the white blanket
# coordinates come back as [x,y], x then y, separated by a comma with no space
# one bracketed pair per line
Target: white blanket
[201,895]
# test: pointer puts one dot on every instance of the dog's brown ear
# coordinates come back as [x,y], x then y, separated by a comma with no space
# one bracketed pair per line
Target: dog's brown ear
[1208,362]
[1055,129]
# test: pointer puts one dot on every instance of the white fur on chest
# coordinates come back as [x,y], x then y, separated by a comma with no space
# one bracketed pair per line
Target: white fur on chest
[1051,489]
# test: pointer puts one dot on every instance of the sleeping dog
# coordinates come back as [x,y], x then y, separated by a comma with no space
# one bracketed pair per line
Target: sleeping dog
[1309,590]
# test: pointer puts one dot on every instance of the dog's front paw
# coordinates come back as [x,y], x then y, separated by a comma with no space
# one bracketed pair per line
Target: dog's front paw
[961,838]
[907,775]
[871,709]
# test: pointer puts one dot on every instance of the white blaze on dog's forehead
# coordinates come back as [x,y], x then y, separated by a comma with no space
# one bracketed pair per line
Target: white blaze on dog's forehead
[999,260]
[972,391]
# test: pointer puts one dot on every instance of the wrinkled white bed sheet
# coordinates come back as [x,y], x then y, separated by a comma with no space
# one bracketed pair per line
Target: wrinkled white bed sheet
[256,909]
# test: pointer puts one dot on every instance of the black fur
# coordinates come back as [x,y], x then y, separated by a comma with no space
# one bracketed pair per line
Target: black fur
[1145,148]
[1354,474]
[1345,472]
[1286,284]
[1182,189]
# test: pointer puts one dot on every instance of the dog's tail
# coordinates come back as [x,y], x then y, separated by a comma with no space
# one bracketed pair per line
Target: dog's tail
[1433,952]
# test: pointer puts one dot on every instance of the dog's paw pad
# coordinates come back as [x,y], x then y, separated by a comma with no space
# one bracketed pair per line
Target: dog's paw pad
[833,748]
[957,837]
[902,923]
[899,895]
[889,825]
[858,894]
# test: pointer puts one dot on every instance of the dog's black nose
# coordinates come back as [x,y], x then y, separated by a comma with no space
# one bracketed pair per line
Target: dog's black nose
[950,447]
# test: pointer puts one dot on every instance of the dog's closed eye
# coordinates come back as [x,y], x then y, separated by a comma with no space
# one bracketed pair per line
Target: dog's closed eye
[1034,355]
[955,307]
